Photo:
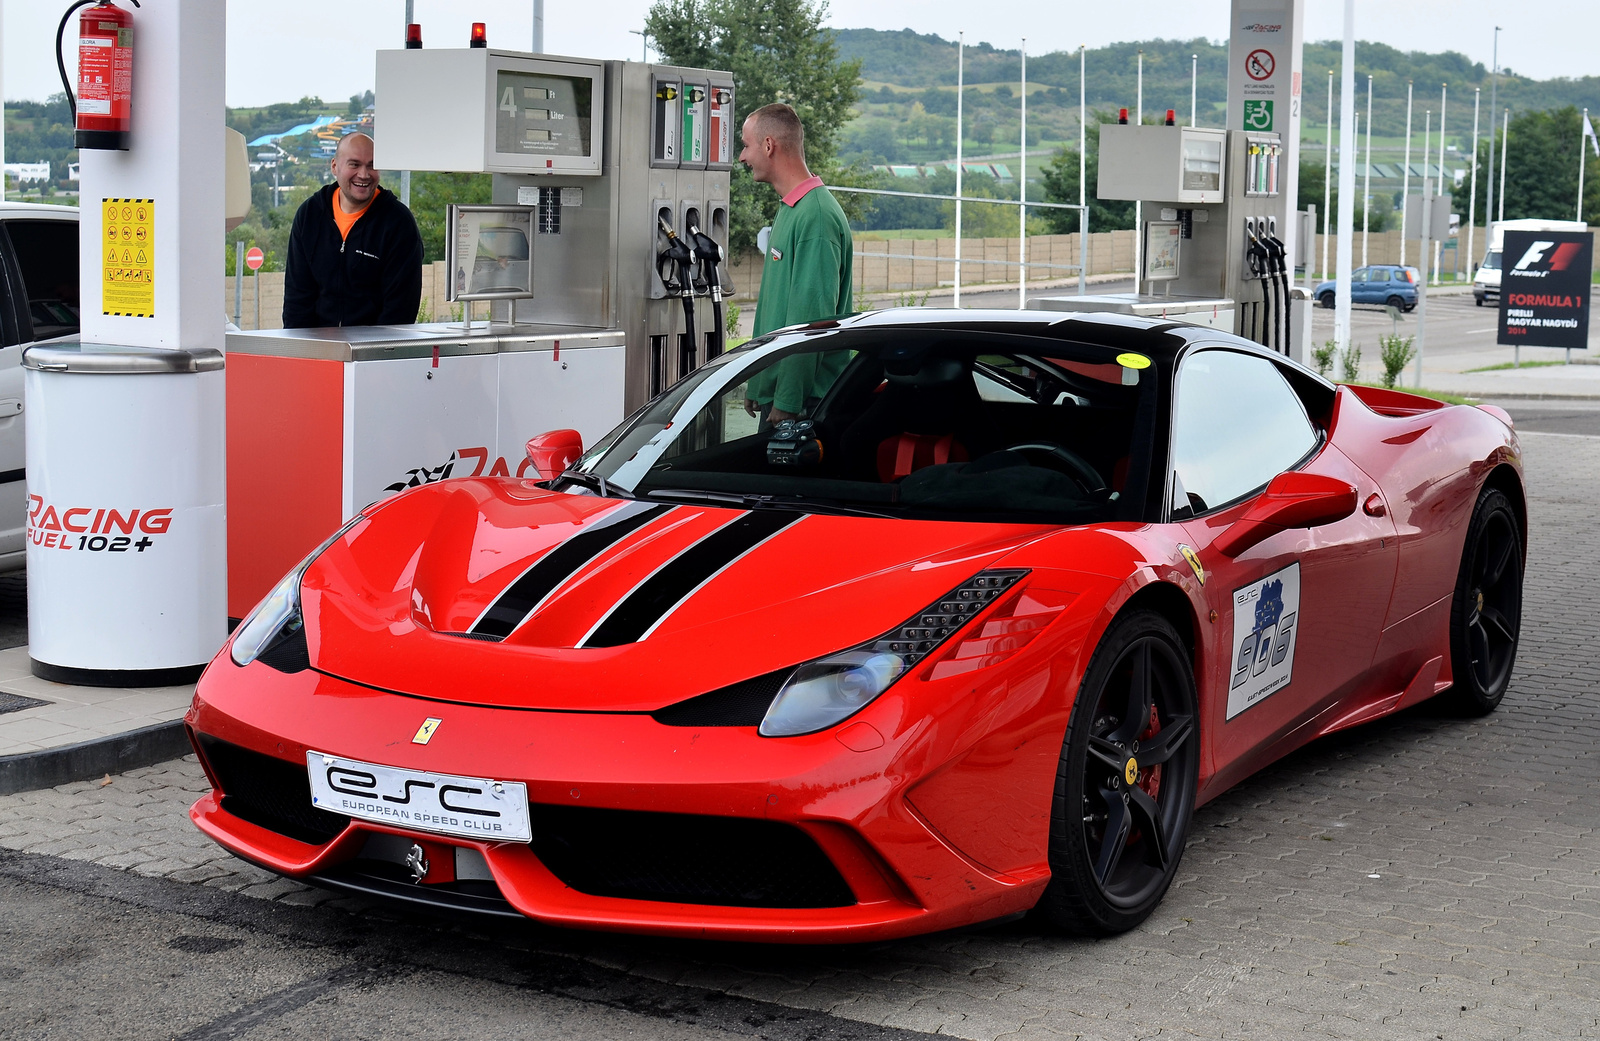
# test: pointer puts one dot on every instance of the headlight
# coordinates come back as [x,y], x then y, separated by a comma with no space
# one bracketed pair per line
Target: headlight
[827,691]
[278,616]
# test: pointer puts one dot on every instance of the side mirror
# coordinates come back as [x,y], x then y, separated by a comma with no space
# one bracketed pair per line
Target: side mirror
[554,450]
[1292,500]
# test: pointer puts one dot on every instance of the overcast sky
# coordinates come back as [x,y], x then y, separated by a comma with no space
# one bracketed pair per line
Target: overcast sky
[280,50]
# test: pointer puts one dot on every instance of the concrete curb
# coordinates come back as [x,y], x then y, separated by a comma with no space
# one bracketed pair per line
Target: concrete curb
[46,768]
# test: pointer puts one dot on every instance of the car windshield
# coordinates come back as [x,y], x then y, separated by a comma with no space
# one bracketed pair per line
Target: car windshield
[1491,261]
[941,423]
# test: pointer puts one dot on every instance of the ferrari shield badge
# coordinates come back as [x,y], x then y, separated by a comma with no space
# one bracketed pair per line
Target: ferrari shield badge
[1264,617]
[424,733]
[1194,562]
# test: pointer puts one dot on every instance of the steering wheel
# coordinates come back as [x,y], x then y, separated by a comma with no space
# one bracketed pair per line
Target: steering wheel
[1068,462]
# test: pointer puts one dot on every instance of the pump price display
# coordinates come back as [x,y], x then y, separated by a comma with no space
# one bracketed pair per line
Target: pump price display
[128,258]
[542,115]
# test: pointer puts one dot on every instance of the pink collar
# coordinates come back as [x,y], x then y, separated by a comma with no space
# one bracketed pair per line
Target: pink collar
[799,191]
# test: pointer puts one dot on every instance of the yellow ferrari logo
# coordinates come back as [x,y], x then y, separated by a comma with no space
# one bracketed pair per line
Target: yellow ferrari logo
[1130,773]
[1194,562]
[425,731]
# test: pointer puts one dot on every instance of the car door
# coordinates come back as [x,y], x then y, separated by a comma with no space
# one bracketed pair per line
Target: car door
[1360,286]
[1297,617]
[39,266]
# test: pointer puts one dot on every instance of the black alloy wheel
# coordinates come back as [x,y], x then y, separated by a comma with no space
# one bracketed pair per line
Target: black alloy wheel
[1326,300]
[1125,786]
[1486,612]
[1397,302]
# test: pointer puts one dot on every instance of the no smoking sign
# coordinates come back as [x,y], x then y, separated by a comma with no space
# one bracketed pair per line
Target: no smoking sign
[1259,65]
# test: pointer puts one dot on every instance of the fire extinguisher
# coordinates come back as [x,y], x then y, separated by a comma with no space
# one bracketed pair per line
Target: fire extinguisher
[102,106]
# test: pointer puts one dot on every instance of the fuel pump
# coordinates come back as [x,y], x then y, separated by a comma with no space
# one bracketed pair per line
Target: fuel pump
[675,265]
[102,106]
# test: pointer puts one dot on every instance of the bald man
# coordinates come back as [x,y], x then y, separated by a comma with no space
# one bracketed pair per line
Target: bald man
[355,255]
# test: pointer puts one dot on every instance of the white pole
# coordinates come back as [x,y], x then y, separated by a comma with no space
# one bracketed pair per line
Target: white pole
[961,58]
[1366,187]
[3,102]
[1583,157]
[1347,182]
[1083,181]
[1327,181]
[1494,86]
[1405,178]
[1472,196]
[538,26]
[1422,250]
[1138,207]
[1022,184]
[1438,242]
[405,175]
[1194,84]
[1505,133]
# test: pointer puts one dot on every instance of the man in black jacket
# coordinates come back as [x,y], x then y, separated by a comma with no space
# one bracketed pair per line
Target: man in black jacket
[355,256]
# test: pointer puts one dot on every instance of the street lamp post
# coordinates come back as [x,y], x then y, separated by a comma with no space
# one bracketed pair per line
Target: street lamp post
[1194,83]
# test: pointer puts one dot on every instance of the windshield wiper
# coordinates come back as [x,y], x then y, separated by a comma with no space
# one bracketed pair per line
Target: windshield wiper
[592,481]
[753,501]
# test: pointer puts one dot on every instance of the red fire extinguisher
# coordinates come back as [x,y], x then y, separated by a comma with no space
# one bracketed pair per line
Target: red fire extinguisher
[103,105]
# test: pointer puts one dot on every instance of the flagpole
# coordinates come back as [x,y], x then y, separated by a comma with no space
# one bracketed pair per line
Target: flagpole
[1472,201]
[1083,177]
[1138,207]
[1327,181]
[1505,132]
[1439,233]
[961,58]
[1366,188]
[1583,158]
[1405,178]
[1022,184]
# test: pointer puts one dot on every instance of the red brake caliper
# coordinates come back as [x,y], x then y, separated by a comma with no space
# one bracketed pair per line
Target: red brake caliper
[1150,777]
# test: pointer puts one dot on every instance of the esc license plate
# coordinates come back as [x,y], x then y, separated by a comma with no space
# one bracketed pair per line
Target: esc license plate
[468,807]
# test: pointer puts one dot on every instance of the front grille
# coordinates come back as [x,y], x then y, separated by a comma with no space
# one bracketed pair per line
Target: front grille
[269,792]
[742,704]
[289,653]
[684,858]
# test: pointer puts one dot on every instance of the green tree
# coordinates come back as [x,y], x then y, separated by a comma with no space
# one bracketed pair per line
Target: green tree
[1541,169]
[431,196]
[777,50]
[1060,177]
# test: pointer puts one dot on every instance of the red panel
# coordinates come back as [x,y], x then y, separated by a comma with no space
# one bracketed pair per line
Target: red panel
[285,467]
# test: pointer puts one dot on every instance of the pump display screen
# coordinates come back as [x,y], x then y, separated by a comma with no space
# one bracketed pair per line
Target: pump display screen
[1202,164]
[538,114]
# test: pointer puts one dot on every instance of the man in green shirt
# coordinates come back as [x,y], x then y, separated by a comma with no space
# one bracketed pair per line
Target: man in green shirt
[806,275]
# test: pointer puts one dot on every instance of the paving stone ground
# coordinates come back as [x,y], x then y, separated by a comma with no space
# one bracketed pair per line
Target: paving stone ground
[1419,878]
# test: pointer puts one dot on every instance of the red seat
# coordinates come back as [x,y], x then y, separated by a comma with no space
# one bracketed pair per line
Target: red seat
[903,454]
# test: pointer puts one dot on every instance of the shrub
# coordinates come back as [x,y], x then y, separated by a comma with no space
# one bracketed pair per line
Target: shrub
[1322,357]
[1397,352]
[1351,363]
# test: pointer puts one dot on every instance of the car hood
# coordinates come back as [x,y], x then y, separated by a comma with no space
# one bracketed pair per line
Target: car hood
[499,592]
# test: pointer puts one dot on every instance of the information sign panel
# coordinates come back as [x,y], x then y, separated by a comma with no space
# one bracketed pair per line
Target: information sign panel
[1544,288]
[128,271]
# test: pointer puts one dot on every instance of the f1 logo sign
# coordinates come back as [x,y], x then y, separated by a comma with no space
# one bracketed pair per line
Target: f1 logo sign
[1558,261]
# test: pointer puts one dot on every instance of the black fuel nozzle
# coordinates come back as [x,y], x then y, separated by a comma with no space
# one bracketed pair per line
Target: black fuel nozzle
[675,263]
[709,253]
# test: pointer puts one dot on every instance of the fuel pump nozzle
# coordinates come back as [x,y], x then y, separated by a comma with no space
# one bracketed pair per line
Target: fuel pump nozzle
[679,254]
[710,256]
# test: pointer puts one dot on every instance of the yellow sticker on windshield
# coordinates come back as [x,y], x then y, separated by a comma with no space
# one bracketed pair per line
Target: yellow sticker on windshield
[1133,361]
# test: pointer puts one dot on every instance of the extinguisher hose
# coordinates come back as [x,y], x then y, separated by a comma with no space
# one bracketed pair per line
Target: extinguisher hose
[61,64]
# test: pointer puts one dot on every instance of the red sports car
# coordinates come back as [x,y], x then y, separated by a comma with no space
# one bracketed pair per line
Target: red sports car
[971,633]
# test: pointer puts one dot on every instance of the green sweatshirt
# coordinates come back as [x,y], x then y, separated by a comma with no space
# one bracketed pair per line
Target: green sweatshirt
[806,278]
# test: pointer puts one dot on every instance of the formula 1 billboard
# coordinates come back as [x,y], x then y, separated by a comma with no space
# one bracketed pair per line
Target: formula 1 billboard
[1544,288]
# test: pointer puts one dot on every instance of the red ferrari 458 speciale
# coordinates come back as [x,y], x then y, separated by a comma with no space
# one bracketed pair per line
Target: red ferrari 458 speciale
[970,634]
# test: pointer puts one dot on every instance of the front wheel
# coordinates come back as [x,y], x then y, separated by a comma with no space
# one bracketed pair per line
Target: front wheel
[1486,611]
[1125,785]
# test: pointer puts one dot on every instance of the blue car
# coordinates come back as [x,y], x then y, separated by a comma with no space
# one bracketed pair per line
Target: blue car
[1388,284]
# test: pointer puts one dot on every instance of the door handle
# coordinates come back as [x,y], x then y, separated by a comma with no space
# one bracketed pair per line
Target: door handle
[10,407]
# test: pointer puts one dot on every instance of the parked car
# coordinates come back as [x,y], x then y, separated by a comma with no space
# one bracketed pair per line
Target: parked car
[38,301]
[1388,284]
[974,635]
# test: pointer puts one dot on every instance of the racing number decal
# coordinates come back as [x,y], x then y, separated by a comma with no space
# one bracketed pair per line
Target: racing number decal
[1264,617]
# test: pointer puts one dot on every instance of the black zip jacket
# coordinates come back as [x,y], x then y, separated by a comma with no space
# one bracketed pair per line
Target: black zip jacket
[374,277]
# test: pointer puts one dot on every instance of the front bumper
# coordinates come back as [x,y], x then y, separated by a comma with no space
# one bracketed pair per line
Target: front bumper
[902,876]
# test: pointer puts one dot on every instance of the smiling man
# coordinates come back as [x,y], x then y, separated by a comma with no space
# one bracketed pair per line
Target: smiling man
[355,255]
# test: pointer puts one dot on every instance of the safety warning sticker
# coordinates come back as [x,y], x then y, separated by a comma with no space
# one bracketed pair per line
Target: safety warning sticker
[1264,617]
[128,271]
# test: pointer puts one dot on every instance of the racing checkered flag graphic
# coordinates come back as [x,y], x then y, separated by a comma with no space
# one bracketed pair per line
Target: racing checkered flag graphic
[419,476]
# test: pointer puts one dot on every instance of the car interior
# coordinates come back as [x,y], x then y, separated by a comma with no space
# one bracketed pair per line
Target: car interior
[935,424]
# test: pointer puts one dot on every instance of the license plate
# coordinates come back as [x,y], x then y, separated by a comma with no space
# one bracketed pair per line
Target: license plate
[468,807]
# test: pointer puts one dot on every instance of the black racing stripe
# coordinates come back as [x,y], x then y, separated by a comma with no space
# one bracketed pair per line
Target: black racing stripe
[664,590]
[7,476]
[560,564]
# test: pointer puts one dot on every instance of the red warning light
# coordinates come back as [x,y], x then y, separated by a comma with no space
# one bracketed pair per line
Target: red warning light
[414,36]
[1122,115]
[480,35]
[1172,119]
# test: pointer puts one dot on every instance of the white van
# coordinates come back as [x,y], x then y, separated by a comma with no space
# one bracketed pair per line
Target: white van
[1486,283]
[38,301]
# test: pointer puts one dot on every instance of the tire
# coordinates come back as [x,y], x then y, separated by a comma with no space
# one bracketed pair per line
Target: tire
[1486,611]
[1115,846]
[1396,302]
[1478,300]
[1326,300]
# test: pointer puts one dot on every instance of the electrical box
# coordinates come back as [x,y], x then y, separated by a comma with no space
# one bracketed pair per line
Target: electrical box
[485,111]
[1163,164]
